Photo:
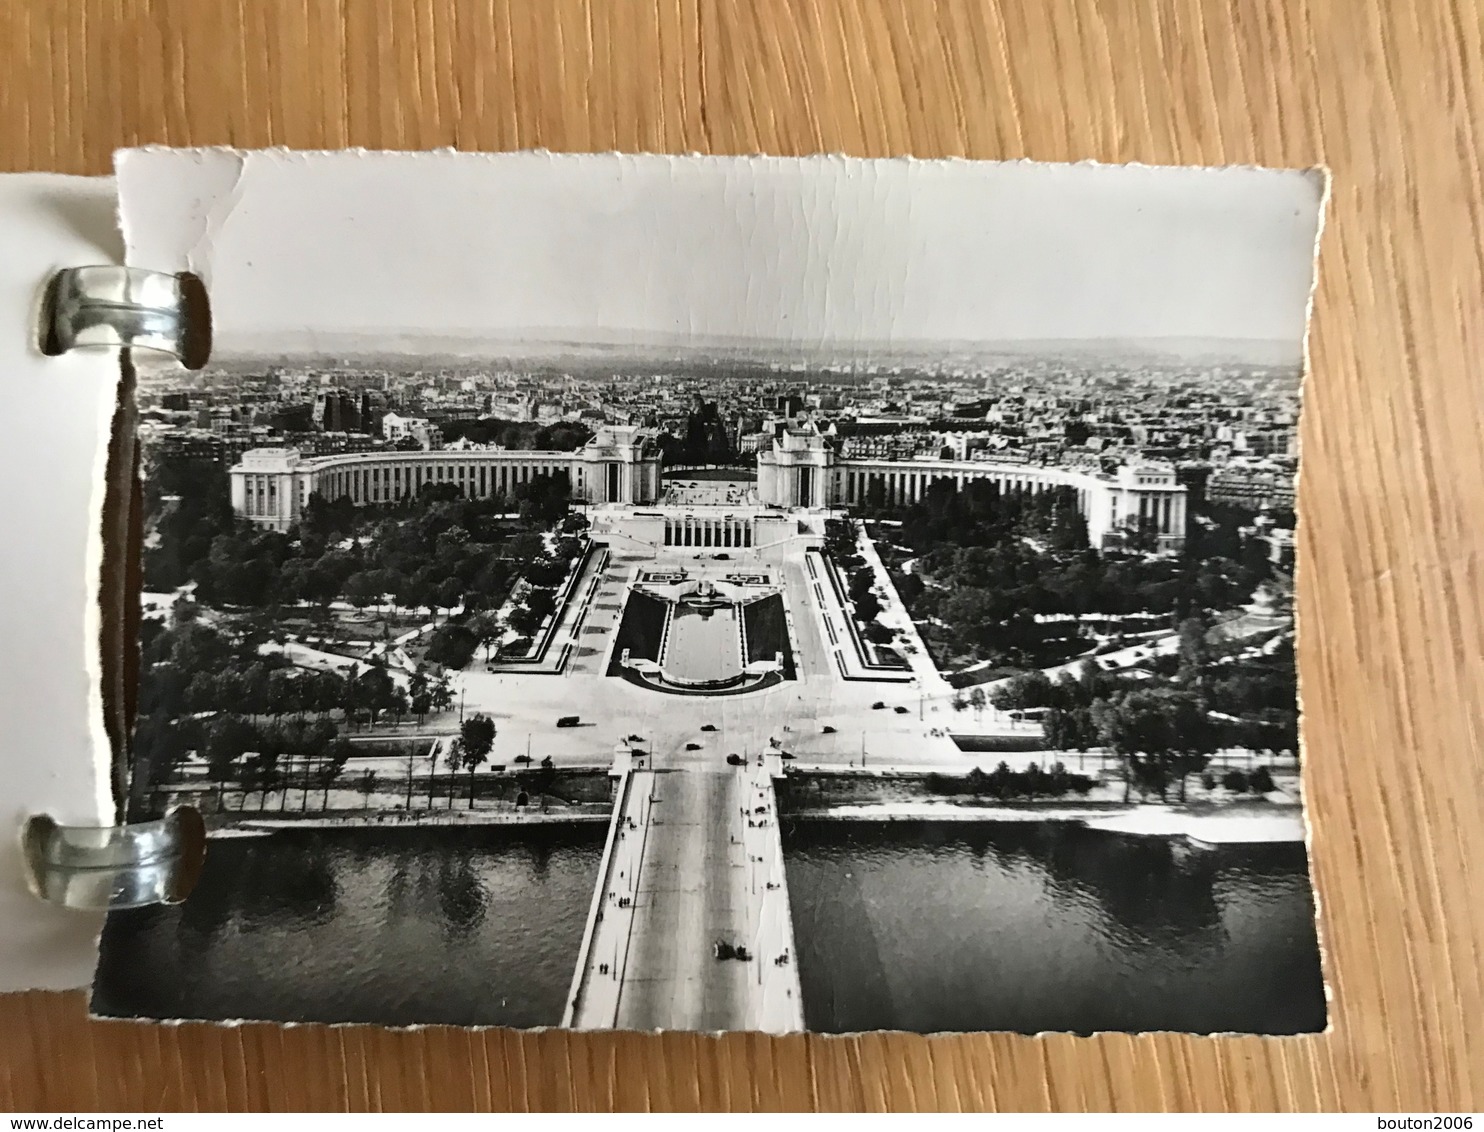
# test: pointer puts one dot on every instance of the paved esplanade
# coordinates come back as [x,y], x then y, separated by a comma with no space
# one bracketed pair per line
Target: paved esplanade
[694,856]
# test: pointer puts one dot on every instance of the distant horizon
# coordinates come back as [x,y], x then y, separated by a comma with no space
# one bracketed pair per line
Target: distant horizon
[349,348]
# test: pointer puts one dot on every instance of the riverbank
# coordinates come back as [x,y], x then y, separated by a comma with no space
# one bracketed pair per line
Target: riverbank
[1251,824]
[262,826]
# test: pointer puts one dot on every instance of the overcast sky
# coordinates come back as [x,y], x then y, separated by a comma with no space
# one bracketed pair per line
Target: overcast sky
[818,251]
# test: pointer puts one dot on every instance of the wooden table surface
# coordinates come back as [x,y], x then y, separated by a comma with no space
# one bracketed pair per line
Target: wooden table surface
[1387,93]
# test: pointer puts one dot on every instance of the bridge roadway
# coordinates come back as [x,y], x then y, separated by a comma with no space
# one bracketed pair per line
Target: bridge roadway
[693,857]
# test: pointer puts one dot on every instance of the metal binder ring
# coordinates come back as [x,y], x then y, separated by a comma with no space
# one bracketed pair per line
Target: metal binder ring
[125,866]
[127,307]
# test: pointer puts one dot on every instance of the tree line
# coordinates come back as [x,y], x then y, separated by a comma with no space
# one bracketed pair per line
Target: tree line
[987,566]
[559,436]
[981,513]
[435,551]
[842,545]
[219,694]
[1165,729]
[454,643]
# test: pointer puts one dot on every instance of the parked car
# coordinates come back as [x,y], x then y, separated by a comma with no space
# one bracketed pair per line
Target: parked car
[708,727]
[736,760]
[569,721]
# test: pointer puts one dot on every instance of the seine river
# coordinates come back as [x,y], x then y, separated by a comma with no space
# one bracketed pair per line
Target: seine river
[926,927]
[459,926]
[1041,926]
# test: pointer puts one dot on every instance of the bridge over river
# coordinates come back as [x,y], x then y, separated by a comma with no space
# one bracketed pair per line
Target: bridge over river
[693,858]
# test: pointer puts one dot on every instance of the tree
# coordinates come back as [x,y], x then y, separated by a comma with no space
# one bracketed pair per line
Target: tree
[867,605]
[452,645]
[977,700]
[524,621]
[326,689]
[1161,735]
[477,739]
[547,572]
[1142,535]
[449,594]
[362,589]
[1032,690]
[350,697]
[1193,736]
[260,772]
[541,601]
[525,547]
[377,689]
[840,538]
[227,741]
[545,498]
[487,630]
[330,767]
[1070,729]
[421,704]
[1137,727]
[909,589]
[453,759]
[1193,652]
[255,689]
[366,784]
[283,692]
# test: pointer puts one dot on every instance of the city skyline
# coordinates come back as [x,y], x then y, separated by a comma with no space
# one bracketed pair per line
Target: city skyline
[535,349]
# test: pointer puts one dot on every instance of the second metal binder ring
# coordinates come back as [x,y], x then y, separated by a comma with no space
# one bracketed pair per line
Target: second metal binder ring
[126,866]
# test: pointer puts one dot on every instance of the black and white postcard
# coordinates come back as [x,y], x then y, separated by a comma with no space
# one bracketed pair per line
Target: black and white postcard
[683,593]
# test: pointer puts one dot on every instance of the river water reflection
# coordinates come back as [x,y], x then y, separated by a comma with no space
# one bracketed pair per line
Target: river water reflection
[473,926]
[927,927]
[1041,926]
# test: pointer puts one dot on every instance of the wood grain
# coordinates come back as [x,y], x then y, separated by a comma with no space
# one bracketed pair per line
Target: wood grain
[1388,95]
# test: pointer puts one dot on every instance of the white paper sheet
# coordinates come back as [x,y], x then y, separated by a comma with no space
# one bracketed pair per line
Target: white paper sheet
[54,419]
[434,252]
